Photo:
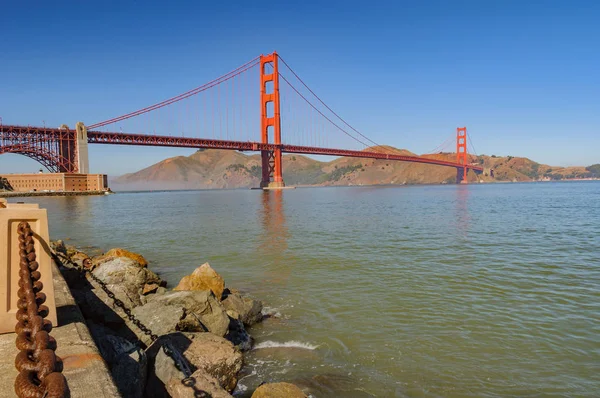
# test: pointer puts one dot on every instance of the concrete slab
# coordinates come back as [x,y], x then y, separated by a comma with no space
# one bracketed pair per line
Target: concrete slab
[86,372]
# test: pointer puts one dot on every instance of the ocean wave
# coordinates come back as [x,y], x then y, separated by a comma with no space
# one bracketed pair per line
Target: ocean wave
[287,344]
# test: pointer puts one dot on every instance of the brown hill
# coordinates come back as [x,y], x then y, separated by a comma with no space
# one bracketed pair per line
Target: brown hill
[215,169]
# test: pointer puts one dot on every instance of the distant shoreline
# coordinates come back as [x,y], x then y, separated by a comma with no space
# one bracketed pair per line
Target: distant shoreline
[300,186]
[12,194]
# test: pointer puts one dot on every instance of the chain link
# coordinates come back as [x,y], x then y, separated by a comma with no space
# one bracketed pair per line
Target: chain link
[39,367]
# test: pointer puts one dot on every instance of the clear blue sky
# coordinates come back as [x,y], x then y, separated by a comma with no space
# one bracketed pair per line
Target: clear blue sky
[523,76]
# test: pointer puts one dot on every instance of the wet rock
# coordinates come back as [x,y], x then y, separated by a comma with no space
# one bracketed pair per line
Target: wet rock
[118,252]
[278,390]
[250,310]
[203,278]
[190,311]
[204,386]
[237,334]
[203,353]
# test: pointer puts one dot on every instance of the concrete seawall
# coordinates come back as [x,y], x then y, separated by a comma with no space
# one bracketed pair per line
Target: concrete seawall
[86,372]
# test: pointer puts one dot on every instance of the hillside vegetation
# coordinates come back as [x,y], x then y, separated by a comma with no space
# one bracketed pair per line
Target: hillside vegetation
[214,168]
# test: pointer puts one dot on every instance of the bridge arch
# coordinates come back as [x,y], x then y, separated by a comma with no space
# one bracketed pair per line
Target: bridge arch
[49,160]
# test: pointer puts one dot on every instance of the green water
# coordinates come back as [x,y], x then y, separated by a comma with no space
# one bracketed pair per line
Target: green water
[429,291]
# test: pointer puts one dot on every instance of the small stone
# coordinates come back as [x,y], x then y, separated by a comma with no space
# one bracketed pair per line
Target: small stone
[278,390]
[203,278]
[150,288]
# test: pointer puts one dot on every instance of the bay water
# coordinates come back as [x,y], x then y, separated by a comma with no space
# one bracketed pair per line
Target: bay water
[415,291]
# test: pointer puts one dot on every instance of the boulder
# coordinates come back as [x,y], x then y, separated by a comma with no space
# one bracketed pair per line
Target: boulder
[203,278]
[126,273]
[127,363]
[98,307]
[189,311]
[278,390]
[118,252]
[81,259]
[200,385]
[163,366]
[250,310]
[160,319]
[203,353]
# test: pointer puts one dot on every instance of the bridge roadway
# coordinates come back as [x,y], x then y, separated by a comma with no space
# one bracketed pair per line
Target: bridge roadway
[36,134]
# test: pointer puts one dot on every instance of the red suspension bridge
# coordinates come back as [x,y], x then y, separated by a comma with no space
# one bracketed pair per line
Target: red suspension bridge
[224,114]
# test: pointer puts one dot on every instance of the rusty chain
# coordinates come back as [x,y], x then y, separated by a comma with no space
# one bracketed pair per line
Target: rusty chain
[39,367]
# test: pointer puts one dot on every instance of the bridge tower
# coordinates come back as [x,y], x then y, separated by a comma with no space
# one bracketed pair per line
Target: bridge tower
[81,148]
[461,154]
[73,150]
[270,122]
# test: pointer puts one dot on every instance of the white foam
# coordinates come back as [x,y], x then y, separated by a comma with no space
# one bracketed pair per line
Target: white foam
[274,312]
[287,344]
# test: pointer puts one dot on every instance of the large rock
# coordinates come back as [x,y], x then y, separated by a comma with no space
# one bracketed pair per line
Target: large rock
[217,357]
[203,278]
[128,365]
[206,355]
[188,311]
[96,305]
[127,361]
[278,390]
[199,385]
[118,252]
[127,274]
[249,310]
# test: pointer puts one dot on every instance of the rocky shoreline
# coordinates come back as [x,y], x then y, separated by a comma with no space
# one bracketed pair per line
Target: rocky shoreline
[187,341]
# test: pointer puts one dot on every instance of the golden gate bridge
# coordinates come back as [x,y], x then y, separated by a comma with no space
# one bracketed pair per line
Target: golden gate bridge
[225,113]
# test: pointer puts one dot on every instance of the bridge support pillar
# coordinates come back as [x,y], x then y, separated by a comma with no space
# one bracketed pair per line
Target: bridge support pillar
[461,175]
[272,176]
[81,148]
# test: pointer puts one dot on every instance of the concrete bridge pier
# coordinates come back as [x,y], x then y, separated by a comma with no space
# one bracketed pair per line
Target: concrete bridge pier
[81,148]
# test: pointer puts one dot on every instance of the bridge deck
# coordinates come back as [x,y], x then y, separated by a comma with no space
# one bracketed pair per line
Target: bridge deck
[23,134]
